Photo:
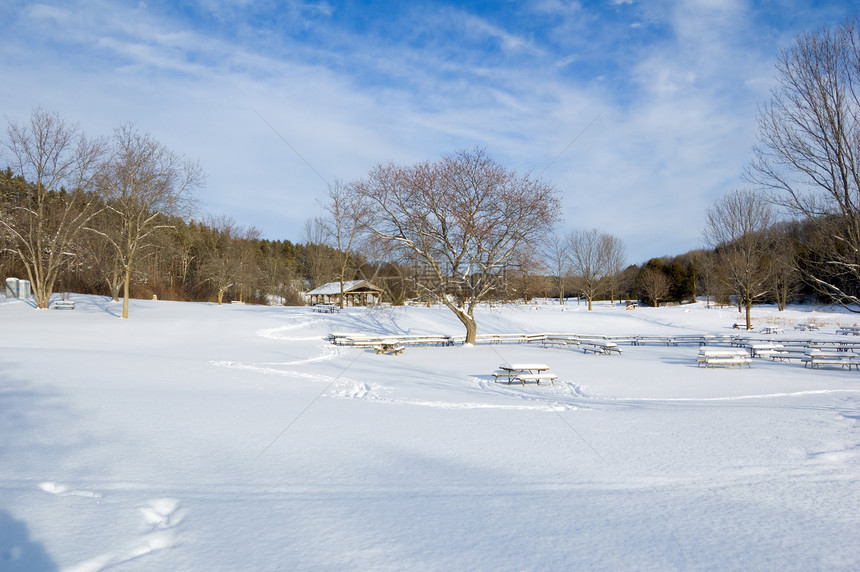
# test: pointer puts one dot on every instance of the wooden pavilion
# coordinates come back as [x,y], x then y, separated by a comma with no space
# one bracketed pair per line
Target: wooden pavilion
[355,293]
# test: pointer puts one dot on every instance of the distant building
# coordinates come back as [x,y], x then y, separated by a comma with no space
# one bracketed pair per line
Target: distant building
[355,293]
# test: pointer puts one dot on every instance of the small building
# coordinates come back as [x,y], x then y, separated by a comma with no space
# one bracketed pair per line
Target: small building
[355,293]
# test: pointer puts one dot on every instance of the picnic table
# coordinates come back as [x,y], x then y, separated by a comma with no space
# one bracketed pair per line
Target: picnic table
[326,308]
[559,341]
[806,327]
[729,357]
[818,357]
[787,353]
[524,372]
[771,330]
[848,330]
[599,347]
[765,349]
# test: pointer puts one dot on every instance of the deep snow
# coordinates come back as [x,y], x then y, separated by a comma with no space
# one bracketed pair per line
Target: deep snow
[197,437]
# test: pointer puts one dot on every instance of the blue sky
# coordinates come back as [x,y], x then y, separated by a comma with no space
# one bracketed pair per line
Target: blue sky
[641,113]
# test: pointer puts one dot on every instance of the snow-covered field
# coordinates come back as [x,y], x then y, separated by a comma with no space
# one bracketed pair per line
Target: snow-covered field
[194,437]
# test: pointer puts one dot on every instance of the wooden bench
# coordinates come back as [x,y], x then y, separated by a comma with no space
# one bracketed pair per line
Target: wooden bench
[536,377]
[64,305]
[393,349]
[818,361]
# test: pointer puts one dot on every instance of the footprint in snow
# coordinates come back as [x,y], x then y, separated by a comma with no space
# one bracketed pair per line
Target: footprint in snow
[159,520]
[162,513]
[63,490]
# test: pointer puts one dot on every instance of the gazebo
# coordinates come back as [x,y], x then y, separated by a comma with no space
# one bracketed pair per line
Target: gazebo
[355,293]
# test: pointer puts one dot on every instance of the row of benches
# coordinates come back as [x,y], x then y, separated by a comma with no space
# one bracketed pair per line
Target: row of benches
[584,341]
[810,358]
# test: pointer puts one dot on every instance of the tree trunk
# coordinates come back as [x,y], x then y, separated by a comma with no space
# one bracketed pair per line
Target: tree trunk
[125,294]
[748,311]
[114,291]
[469,322]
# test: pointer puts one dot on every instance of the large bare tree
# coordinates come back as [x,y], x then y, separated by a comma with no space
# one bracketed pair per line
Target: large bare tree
[42,226]
[463,218]
[737,227]
[143,183]
[808,154]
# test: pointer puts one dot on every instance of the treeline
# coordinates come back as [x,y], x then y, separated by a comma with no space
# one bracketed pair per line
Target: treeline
[217,260]
[213,259]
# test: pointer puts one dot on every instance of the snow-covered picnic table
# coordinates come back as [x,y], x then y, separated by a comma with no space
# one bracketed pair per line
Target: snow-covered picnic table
[848,330]
[599,347]
[728,356]
[765,349]
[524,372]
[818,357]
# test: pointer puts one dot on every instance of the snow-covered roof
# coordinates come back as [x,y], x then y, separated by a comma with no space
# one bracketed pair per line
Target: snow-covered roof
[333,288]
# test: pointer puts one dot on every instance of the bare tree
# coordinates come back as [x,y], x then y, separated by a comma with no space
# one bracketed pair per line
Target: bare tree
[708,277]
[655,284]
[558,263]
[222,263]
[784,256]
[142,183]
[345,221]
[320,263]
[42,227]
[526,275]
[594,256]
[279,277]
[248,257]
[616,258]
[808,155]
[463,218]
[101,255]
[737,227]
